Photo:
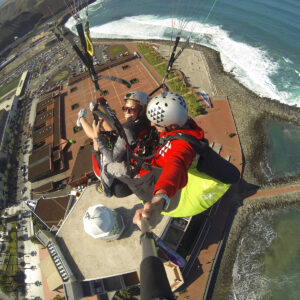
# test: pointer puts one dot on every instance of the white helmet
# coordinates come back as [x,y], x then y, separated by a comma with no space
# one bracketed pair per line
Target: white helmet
[166,109]
[139,96]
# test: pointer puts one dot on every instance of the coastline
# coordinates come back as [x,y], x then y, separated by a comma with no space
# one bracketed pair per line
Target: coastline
[242,215]
[249,111]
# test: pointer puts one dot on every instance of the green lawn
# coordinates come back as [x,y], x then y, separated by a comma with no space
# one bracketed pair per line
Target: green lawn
[174,82]
[161,70]
[8,96]
[178,86]
[60,76]
[10,86]
[115,50]
[143,48]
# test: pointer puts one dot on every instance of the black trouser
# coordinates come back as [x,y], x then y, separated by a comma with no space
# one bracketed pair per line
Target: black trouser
[143,187]
[217,167]
[120,189]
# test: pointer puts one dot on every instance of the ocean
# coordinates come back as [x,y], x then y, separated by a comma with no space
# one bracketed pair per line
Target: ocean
[259,43]
[258,40]
[267,264]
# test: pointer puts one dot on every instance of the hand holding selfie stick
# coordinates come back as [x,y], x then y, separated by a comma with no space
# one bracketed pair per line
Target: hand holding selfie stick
[153,277]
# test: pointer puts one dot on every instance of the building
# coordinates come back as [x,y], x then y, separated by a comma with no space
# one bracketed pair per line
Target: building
[56,115]
[3,121]
[47,156]
[51,211]
[83,169]
[90,266]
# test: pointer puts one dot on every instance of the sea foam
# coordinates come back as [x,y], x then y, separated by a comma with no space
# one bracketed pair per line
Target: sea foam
[250,65]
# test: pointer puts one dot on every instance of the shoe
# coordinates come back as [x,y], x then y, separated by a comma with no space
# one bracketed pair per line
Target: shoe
[92,106]
[81,114]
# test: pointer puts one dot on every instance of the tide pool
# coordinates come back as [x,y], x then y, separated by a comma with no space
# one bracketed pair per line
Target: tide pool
[282,153]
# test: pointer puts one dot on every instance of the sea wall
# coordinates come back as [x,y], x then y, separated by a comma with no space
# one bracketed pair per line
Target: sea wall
[243,214]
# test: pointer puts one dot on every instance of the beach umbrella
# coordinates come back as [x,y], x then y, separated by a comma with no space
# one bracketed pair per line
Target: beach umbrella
[102,222]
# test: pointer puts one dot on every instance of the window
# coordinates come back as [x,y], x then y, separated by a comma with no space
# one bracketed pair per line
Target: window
[134,80]
[73,89]
[42,111]
[39,127]
[105,93]
[76,129]
[125,67]
[40,144]
[74,106]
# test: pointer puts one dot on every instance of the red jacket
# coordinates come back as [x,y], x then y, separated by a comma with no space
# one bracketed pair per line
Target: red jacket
[174,158]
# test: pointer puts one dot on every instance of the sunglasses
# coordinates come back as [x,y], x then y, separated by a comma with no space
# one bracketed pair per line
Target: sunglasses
[129,109]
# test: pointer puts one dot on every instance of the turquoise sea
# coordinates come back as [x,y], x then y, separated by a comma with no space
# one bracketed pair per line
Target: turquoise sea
[259,43]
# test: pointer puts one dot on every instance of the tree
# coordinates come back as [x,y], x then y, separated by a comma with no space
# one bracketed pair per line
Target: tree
[58,297]
[124,294]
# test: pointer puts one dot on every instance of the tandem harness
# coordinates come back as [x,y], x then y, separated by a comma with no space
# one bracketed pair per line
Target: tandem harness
[208,179]
[209,162]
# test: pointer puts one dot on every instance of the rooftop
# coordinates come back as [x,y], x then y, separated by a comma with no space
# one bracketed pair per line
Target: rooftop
[91,258]
[52,210]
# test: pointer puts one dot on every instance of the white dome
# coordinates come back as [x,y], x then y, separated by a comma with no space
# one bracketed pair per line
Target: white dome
[102,222]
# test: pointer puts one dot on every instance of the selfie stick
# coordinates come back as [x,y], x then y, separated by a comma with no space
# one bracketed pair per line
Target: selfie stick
[153,277]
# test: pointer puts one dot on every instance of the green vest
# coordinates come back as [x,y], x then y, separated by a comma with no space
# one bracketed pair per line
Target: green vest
[200,193]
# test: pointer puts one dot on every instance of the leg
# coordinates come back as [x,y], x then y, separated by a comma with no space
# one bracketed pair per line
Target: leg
[87,127]
[120,189]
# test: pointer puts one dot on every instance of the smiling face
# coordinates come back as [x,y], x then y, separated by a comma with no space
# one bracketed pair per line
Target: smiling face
[131,110]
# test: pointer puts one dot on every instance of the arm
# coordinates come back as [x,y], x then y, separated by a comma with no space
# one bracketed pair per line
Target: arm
[172,179]
[111,155]
[175,168]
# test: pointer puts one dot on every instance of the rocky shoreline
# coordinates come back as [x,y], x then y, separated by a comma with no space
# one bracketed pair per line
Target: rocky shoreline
[241,220]
[249,111]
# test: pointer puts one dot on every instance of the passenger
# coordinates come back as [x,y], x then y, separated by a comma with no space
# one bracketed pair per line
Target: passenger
[136,126]
[167,171]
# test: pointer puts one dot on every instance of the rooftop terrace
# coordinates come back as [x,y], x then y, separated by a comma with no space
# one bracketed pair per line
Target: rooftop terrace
[91,258]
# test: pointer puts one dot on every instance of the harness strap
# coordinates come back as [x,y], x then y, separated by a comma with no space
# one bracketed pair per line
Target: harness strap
[200,146]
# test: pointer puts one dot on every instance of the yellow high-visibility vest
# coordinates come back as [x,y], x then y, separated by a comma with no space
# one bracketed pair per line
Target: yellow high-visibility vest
[200,193]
